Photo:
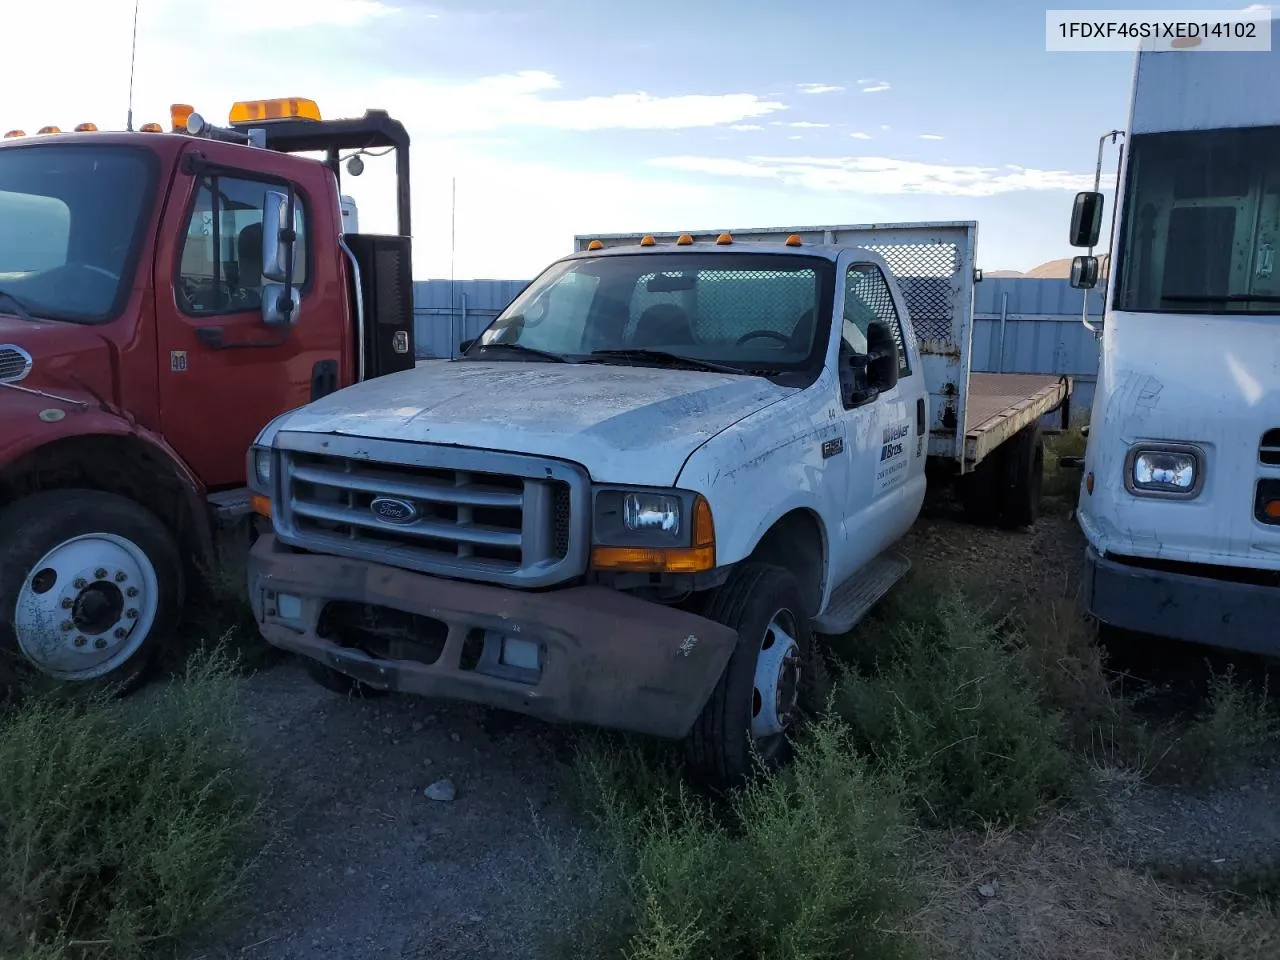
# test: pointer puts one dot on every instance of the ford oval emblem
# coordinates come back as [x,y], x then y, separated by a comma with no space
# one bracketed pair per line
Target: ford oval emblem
[394,510]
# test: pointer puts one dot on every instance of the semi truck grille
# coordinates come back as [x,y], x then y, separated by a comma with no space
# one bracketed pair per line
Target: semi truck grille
[468,514]
[1269,449]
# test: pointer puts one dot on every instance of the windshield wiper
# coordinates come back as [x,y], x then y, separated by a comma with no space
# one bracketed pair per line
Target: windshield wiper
[19,307]
[665,357]
[1220,298]
[520,348]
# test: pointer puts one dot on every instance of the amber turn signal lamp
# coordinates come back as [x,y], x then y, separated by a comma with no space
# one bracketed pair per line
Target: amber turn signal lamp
[1088,483]
[261,505]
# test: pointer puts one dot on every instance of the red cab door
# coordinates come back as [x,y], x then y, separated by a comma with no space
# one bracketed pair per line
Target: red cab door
[223,374]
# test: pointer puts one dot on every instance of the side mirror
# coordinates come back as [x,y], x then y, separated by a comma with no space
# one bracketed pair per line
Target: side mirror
[1084,272]
[1086,219]
[280,304]
[277,238]
[883,358]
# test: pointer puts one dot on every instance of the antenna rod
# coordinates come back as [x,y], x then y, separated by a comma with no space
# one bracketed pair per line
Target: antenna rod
[133,59]
[453,244]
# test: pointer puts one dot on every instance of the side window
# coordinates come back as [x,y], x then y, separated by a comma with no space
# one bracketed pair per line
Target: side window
[867,298]
[221,267]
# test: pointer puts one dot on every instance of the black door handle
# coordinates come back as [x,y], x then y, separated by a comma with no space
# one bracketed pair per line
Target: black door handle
[920,417]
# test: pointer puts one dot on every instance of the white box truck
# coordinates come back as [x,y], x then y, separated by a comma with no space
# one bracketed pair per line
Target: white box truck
[1180,497]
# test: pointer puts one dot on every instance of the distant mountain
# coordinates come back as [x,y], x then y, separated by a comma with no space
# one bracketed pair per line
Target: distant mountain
[1049,270]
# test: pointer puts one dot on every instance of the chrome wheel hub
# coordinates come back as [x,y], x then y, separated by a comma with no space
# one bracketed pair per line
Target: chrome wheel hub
[86,606]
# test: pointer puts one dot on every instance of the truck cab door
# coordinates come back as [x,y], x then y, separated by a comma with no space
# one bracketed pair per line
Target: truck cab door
[885,426]
[223,374]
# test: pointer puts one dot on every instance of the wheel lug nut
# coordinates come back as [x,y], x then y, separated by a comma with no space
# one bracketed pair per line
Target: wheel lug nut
[132,614]
[131,592]
[121,576]
[67,625]
[80,583]
[100,573]
[80,641]
[99,643]
[120,633]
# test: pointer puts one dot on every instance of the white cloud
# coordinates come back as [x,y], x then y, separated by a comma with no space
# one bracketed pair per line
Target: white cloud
[884,126]
[808,124]
[859,135]
[794,137]
[745,126]
[931,136]
[521,100]
[880,175]
[816,88]
[876,88]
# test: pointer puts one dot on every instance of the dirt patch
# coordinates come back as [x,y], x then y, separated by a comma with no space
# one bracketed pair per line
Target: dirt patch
[362,863]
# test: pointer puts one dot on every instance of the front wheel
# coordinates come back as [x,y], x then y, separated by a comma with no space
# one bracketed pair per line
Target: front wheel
[774,678]
[90,585]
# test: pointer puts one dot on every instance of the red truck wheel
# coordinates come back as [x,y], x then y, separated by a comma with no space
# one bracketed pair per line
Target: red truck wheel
[91,584]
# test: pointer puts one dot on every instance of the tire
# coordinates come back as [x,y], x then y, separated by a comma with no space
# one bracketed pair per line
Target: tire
[760,601]
[1004,490]
[1020,478]
[91,587]
[339,682]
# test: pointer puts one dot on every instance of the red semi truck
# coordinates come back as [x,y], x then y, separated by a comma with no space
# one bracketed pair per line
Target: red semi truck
[163,296]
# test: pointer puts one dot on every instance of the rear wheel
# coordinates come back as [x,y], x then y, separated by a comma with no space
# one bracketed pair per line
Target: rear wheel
[91,584]
[773,680]
[1004,490]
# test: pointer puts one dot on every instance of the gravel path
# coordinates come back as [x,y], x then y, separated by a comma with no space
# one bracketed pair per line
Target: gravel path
[366,865]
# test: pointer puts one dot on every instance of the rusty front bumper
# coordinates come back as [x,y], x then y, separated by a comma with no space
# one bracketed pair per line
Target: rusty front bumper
[603,658]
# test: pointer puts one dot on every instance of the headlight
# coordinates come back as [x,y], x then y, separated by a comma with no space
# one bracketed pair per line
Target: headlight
[652,530]
[651,511]
[259,477]
[1173,470]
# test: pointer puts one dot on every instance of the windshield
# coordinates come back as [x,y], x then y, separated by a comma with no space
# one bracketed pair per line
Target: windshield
[70,219]
[1201,223]
[748,312]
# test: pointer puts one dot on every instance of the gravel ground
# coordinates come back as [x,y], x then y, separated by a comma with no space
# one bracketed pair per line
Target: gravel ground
[367,865]
[364,864]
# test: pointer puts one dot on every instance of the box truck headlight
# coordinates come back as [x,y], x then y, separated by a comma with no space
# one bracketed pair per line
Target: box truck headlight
[1170,471]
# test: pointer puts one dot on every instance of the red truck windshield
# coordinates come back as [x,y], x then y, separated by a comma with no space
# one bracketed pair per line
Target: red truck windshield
[71,217]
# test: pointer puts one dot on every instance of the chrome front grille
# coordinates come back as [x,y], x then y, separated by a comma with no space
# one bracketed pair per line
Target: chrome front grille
[1269,449]
[467,514]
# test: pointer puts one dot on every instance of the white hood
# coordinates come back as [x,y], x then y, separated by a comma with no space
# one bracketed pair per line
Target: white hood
[1213,381]
[624,424]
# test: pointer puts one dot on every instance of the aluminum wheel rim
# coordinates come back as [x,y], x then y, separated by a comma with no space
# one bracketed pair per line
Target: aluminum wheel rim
[777,678]
[86,606]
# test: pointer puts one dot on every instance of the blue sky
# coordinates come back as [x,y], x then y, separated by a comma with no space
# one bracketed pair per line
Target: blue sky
[557,117]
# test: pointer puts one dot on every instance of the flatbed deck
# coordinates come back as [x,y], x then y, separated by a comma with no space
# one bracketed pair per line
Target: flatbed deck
[1001,404]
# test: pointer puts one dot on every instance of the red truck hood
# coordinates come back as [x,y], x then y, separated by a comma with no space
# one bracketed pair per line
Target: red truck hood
[57,349]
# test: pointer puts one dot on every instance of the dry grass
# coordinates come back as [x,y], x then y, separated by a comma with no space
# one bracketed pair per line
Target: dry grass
[1056,895]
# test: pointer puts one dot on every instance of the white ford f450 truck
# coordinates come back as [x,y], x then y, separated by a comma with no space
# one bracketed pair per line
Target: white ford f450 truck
[664,469]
